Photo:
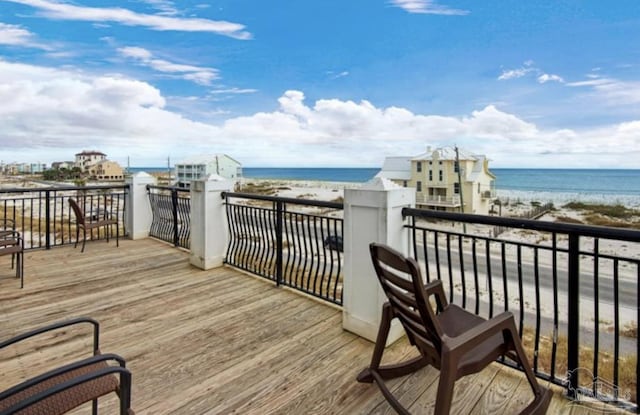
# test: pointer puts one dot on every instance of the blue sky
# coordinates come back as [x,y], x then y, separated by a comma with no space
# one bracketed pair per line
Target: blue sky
[321,83]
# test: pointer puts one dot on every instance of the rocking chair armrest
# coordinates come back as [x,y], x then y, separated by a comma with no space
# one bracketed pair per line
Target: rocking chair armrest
[55,326]
[125,386]
[483,331]
[435,288]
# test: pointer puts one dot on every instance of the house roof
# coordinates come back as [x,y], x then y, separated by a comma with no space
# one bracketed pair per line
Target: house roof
[205,158]
[445,153]
[396,168]
[90,153]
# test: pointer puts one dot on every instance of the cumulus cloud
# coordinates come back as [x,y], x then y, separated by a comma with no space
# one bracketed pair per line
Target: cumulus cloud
[66,11]
[15,35]
[426,7]
[197,74]
[49,113]
[47,108]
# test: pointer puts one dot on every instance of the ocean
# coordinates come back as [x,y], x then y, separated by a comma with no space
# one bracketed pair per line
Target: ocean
[545,185]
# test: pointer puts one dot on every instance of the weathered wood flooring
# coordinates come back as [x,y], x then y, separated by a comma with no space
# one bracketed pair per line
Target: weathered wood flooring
[216,342]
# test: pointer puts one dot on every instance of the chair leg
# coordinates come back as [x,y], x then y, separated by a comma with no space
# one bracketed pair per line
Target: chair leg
[542,396]
[94,407]
[84,239]
[445,386]
[117,235]
[77,236]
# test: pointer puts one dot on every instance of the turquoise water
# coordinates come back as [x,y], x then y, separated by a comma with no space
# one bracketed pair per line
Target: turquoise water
[556,185]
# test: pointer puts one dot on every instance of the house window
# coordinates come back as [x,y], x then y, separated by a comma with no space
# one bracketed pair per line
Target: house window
[456,167]
[440,162]
[419,186]
[456,188]
[419,166]
[404,183]
[440,175]
[430,175]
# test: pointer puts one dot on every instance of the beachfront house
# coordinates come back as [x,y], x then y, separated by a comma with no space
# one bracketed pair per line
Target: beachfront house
[198,167]
[445,180]
[106,170]
[86,159]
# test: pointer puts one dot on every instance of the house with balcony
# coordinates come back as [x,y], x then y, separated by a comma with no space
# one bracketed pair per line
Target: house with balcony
[198,167]
[445,179]
[85,159]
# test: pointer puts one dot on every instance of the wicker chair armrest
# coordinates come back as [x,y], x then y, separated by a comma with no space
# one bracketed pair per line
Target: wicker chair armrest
[125,388]
[62,370]
[55,326]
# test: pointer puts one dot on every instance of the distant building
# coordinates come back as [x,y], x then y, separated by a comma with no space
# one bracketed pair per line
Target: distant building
[58,165]
[106,170]
[438,185]
[201,166]
[86,159]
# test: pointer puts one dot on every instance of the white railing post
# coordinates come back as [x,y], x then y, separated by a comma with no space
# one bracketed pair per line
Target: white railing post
[209,234]
[138,208]
[372,213]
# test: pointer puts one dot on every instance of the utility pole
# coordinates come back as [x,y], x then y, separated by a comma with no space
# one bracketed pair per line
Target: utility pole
[464,225]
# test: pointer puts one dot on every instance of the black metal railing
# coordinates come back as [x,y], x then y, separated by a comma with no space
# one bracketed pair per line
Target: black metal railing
[170,208]
[573,290]
[44,217]
[301,250]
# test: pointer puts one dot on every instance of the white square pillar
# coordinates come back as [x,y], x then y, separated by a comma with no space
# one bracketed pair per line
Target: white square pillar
[372,213]
[138,215]
[209,232]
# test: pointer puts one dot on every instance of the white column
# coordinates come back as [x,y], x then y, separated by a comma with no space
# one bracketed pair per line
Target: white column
[138,210]
[372,213]
[209,232]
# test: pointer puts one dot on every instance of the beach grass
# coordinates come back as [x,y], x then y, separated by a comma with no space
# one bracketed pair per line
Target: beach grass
[606,362]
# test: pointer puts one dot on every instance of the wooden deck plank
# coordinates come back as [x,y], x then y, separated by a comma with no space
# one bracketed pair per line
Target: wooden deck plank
[215,342]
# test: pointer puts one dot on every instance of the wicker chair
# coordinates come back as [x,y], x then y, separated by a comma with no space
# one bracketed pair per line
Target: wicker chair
[81,223]
[67,387]
[449,338]
[11,243]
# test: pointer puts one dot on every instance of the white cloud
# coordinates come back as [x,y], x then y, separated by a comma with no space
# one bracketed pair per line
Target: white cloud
[613,92]
[336,75]
[166,7]
[66,11]
[545,77]
[514,73]
[48,114]
[15,35]
[197,74]
[233,91]
[426,7]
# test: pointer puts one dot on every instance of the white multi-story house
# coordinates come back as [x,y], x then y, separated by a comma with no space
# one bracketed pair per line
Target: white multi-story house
[86,159]
[445,180]
[201,166]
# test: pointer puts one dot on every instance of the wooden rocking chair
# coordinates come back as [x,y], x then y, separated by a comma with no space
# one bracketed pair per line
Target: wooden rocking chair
[451,339]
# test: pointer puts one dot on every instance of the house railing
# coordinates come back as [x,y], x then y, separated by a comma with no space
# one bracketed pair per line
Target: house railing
[573,290]
[170,209]
[44,217]
[275,238]
[447,201]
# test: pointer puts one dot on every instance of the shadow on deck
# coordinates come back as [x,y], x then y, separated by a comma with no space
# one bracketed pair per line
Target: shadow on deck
[218,341]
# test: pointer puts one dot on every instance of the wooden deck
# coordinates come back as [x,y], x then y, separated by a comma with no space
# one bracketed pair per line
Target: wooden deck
[219,341]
